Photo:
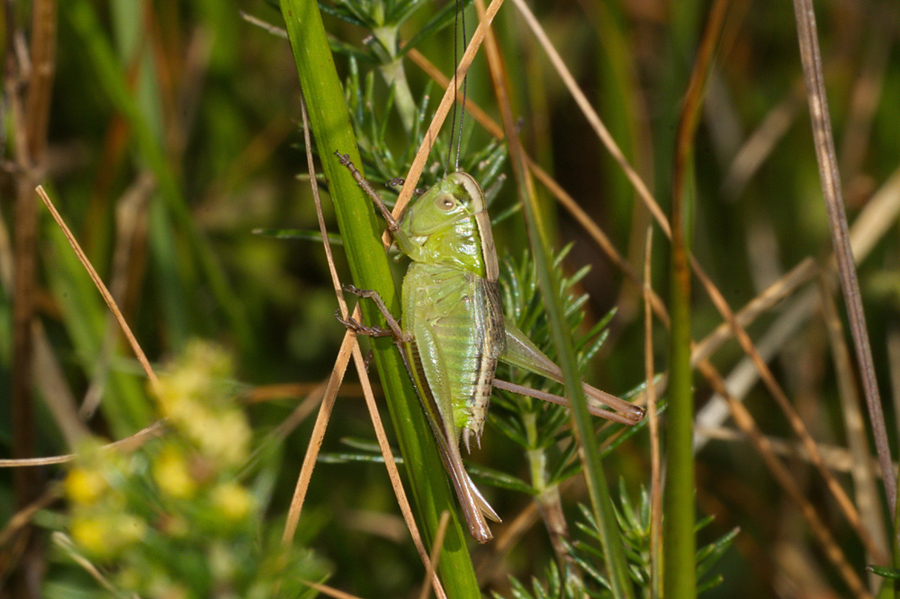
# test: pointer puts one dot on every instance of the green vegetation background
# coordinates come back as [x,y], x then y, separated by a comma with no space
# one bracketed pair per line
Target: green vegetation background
[196,111]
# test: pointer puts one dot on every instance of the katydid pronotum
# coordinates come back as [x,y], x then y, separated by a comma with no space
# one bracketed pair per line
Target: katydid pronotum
[453,329]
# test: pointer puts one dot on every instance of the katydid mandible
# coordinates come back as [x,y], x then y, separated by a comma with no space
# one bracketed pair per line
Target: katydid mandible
[453,329]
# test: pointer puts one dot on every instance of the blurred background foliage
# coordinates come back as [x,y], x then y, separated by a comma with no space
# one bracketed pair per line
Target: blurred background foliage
[173,136]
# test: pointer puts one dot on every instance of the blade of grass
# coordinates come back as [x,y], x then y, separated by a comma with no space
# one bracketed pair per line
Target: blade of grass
[369,266]
[679,540]
[604,513]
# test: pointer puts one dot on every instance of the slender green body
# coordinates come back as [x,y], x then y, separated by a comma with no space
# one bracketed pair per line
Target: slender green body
[453,329]
[451,301]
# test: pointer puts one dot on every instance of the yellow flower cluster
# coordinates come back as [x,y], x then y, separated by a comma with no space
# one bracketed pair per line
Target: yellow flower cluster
[180,486]
[101,523]
[195,399]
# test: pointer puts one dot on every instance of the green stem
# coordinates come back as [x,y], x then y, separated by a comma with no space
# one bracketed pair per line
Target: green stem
[361,233]
[395,76]
[601,502]
[548,281]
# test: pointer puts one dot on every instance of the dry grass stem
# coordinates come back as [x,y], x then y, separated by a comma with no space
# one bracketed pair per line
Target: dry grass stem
[435,556]
[101,287]
[22,518]
[415,170]
[867,496]
[837,458]
[330,591]
[830,178]
[71,549]
[130,443]
[316,438]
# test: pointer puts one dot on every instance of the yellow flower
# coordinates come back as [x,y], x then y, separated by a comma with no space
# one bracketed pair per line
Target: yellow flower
[84,486]
[104,537]
[93,535]
[233,501]
[225,438]
[171,472]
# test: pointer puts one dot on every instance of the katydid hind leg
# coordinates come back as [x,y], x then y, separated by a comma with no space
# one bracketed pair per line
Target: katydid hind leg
[560,400]
[523,353]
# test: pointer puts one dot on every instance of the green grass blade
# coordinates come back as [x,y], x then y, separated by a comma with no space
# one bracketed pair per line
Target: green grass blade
[361,232]
[601,502]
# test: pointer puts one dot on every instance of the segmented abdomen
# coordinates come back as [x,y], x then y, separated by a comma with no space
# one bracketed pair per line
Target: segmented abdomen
[459,314]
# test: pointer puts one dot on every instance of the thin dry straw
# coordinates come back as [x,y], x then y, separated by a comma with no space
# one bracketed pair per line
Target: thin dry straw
[348,347]
[834,202]
[107,297]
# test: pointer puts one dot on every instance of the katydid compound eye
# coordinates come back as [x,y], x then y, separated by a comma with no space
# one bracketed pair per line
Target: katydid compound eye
[444,203]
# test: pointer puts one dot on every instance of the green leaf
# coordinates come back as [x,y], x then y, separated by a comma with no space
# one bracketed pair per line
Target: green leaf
[892,573]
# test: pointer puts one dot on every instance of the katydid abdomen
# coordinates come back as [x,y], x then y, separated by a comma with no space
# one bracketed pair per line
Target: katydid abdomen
[453,325]
[456,321]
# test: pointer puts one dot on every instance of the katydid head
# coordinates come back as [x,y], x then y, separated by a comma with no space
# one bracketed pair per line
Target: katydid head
[449,224]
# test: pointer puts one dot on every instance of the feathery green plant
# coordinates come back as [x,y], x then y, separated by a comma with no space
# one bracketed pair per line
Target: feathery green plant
[586,555]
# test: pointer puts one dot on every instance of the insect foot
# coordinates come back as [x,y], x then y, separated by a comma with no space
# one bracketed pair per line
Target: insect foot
[361,329]
[345,160]
[349,288]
